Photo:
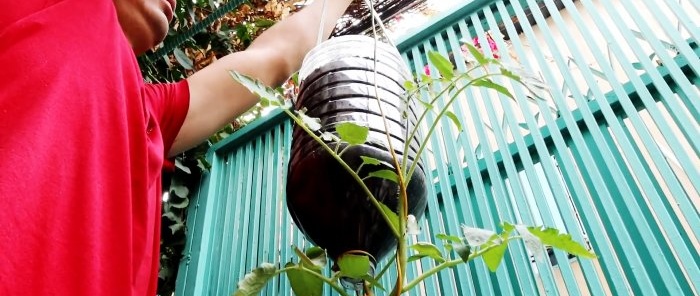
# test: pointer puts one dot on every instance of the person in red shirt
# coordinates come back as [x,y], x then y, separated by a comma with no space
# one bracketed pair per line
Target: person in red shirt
[83,138]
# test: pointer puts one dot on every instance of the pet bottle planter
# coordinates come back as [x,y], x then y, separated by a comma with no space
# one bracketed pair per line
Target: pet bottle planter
[326,203]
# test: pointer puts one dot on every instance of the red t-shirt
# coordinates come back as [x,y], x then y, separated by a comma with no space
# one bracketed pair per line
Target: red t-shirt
[82,143]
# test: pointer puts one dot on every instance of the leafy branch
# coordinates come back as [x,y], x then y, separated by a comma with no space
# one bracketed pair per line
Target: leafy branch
[473,243]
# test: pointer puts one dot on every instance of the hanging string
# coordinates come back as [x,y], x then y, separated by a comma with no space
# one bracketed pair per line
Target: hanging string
[323,22]
[378,19]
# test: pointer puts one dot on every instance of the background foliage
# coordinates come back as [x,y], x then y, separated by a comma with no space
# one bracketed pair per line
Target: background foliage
[203,31]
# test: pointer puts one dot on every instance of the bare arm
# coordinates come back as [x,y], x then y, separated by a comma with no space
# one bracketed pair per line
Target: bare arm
[216,99]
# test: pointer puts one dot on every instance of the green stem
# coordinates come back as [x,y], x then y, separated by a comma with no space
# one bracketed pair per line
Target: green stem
[425,112]
[446,264]
[327,280]
[347,168]
[437,120]
[385,268]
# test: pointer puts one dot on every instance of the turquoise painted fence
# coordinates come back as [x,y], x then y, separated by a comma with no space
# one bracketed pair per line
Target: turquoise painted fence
[610,155]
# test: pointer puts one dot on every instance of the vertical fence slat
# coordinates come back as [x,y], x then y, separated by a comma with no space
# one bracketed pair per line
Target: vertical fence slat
[609,157]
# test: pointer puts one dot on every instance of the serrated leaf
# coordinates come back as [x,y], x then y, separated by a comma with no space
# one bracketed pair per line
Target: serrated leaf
[454,119]
[183,59]
[493,257]
[477,236]
[314,124]
[450,238]
[172,217]
[507,227]
[304,283]
[181,205]
[510,74]
[463,251]
[488,83]
[352,133]
[182,167]
[176,227]
[532,243]
[561,241]
[179,190]
[480,58]
[256,280]
[354,266]
[258,88]
[370,160]
[328,137]
[428,250]
[385,174]
[443,65]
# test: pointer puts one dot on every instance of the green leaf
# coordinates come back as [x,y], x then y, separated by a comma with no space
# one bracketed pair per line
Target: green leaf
[179,190]
[203,164]
[493,257]
[176,227]
[425,104]
[480,58]
[488,83]
[450,238]
[370,160]
[510,74]
[318,256]
[428,250]
[426,79]
[352,133]
[393,217]
[185,202]
[443,65]
[264,23]
[304,283]
[532,243]
[314,258]
[409,86]
[258,88]
[354,266]
[454,119]
[564,242]
[172,217]
[477,236]
[463,251]
[507,227]
[385,174]
[254,282]
[312,123]
[182,167]
[183,59]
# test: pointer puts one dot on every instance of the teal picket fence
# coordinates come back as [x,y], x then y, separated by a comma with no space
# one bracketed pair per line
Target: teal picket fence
[609,155]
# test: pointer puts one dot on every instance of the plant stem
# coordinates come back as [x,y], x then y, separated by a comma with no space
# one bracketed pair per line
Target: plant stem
[328,281]
[446,264]
[437,120]
[347,168]
[403,195]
